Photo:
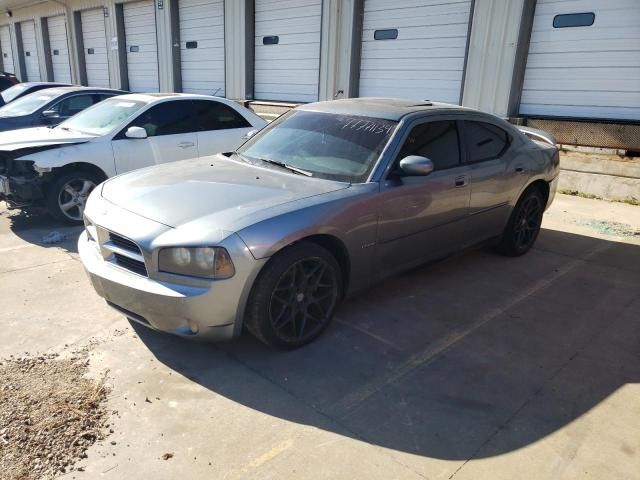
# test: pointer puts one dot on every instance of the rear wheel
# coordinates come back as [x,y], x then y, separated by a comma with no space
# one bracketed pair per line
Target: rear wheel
[524,225]
[294,297]
[67,195]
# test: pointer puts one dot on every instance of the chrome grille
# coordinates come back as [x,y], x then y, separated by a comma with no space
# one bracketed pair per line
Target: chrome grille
[122,252]
[124,243]
[135,266]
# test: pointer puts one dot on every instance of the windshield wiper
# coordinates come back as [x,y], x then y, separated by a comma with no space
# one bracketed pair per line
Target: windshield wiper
[286,166]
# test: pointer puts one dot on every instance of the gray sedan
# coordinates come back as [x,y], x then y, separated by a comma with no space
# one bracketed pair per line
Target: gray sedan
[323,202]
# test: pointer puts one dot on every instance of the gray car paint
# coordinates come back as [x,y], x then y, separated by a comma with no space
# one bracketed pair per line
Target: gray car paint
[384,225]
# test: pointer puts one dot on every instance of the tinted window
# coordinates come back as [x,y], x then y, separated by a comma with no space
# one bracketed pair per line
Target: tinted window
[5,83]
[484,141]
[218,116]
[574,20]
[437,141]
[168,118]
[72,105]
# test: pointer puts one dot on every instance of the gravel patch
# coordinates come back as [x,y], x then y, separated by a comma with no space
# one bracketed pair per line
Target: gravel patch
[611,228]
[50,413]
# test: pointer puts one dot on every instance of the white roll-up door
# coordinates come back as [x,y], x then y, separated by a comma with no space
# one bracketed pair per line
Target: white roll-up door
[6,50]
[94,37]
[584,60]
[287,49]
[414,49]
[202,46]
[59,46]
[30,49]
[142,46]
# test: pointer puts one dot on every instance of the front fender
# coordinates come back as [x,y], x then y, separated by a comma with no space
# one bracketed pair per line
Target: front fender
[98,154]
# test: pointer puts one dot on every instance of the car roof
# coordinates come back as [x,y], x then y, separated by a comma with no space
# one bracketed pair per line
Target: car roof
[63,90]
[378,107]
[38,84]
[152,97]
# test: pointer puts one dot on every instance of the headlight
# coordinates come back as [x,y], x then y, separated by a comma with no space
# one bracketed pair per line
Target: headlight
[207,262]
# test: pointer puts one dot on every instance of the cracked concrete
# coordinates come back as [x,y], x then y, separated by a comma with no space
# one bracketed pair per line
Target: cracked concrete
[475,367]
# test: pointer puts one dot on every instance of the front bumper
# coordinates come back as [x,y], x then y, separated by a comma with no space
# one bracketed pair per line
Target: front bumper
[20,190]
[212,310]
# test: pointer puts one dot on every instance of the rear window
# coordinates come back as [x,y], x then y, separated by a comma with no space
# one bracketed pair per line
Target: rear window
[484,141]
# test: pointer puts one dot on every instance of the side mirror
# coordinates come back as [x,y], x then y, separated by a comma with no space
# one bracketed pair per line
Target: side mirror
[416,166]
[136,132]
[249,134]
[50,114]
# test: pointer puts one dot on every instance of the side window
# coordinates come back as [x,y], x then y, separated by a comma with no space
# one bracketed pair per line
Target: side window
[437,141]
[484,141]
[218,116]
[72,105]
[168,118]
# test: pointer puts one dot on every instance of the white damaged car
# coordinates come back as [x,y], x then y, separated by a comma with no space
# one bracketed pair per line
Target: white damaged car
[58,167]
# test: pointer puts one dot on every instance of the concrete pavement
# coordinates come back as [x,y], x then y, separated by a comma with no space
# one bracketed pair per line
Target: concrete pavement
[476,367]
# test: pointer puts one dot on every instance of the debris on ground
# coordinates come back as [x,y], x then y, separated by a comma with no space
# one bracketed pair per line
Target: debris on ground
[610,228]
[53,238]
[167,456]
[50,414]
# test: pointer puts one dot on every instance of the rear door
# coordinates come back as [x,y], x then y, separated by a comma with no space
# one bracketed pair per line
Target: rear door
[497,175]
[424,217]
[30,49]
[222,129]
[172,135]
[57,27]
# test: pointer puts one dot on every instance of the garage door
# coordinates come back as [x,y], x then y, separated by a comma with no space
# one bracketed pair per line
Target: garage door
[287,49]
[202,46]
[414,49]
[584,60]
[142,48]
[30,50]
[94,37]
[59,49]
[7,51]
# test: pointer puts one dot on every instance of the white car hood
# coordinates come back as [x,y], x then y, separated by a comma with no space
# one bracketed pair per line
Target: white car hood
[39,137]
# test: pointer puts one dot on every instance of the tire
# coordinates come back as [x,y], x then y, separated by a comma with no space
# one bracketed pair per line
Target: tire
[523,227]
[294,297]
[69,187]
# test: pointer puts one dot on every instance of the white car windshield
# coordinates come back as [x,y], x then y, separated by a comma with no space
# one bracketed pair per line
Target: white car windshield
[335,147]
[12,92]
[28,104]
[103,117]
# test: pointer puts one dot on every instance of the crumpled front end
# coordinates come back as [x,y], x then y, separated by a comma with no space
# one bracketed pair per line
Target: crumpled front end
[20,184]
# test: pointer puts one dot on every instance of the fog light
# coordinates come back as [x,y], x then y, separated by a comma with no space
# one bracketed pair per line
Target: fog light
[193,326]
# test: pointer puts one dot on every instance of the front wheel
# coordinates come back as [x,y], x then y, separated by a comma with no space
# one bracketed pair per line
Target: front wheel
[67,195]
[524,224]
[294,297]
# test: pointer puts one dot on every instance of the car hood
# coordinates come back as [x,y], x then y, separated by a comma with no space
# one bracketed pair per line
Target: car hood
[39,137]
[215,189]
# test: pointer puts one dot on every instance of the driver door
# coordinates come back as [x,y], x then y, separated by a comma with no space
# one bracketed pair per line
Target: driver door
[424,217]
[172,135]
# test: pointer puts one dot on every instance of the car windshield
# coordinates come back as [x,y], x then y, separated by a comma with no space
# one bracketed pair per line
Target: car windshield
[103,117]
[12,92]
[27,104]
[335,147]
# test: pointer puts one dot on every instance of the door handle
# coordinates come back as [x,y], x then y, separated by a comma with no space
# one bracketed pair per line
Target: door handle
[461,181]
[519,169]
[186,144]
